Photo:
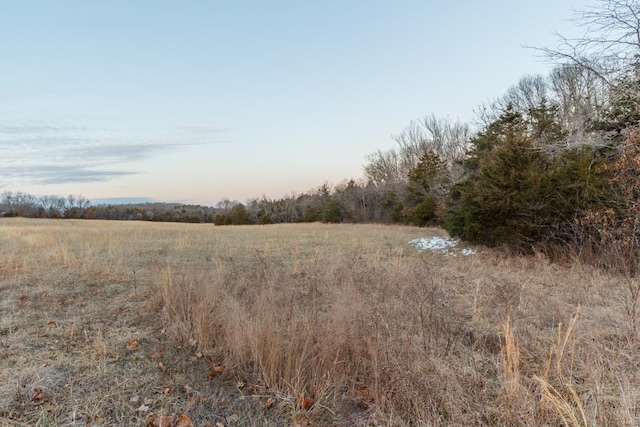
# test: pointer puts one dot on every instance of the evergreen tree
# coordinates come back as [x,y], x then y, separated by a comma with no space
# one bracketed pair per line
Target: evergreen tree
[623,110]
[239,215]
[517,193]
[426,188]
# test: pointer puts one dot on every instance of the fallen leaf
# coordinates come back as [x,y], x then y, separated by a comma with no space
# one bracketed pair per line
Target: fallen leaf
[162,367]
[199,354]
[155,354]
[168,390]
[192,342]
[96,421]
[215,370]
[132,344]
[365,393]
[143,409]
[304,402]
[38,396]
[164,421]
[183,420]
[52,324]
[269,403]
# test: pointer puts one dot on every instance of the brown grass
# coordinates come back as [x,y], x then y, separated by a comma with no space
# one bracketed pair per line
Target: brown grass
[330,324]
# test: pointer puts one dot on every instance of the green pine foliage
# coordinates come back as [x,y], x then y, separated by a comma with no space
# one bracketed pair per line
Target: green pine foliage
[426,188]
[516,191]
[622,112]
[333,212]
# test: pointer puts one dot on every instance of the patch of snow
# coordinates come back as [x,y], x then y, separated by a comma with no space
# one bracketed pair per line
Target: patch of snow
[433,244]
[440,244]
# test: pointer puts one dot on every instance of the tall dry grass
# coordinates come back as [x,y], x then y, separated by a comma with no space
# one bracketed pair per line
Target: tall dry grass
[337,324]
[398,337]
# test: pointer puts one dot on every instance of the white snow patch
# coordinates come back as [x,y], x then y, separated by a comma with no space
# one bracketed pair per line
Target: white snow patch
[440,244]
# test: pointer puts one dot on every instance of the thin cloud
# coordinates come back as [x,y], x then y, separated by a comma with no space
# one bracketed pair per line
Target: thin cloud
[202,130]
[44,153]
[50,174]
[37,128]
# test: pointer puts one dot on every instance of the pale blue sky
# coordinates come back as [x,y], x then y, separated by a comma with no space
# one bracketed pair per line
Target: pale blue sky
[200,100]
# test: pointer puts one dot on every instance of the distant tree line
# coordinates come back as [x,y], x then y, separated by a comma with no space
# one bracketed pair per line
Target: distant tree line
[347,202]
[27,205]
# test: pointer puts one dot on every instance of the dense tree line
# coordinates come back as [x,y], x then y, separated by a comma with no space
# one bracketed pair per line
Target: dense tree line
[346,202]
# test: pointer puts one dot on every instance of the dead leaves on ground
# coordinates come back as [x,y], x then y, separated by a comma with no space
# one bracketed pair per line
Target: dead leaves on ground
[144,407]
[156,354]
[38,396]
[96,421]
[303,401]
[215,370]
[180,420]
[269,403]
[164,421]
[41,399]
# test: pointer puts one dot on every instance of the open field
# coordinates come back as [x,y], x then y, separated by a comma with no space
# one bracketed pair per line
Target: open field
[120,323]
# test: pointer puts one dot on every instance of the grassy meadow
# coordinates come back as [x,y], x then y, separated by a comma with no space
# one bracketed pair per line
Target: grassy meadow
[136,323]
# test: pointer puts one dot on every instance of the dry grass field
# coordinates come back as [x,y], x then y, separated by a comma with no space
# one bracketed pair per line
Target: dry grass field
[134,323]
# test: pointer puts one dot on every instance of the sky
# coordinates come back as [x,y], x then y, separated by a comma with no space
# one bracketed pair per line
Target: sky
[197,101]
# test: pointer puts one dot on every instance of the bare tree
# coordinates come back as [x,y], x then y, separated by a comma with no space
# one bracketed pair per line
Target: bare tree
[610,45]
[450,140]
[73,206]
[19,203]
[530,92]
[580,96]
[577,93]
[383,168]
[442,136]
